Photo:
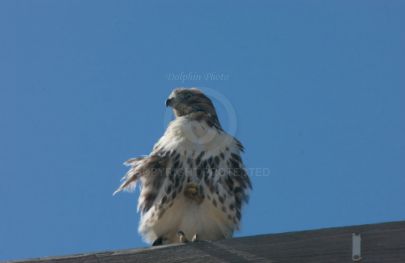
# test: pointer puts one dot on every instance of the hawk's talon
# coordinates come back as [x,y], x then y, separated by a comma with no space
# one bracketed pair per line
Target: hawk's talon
[158,242]
[182,237]
[191,189]
[194,192]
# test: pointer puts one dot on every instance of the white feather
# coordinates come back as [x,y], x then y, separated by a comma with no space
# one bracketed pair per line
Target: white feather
[208,221]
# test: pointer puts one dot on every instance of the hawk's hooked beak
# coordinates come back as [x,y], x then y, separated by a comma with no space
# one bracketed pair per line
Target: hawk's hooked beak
[169,102]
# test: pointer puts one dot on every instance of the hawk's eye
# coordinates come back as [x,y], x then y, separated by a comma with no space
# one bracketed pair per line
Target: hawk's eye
[187,96]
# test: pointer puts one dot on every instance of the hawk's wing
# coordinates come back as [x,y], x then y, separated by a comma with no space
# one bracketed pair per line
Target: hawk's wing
[151,170]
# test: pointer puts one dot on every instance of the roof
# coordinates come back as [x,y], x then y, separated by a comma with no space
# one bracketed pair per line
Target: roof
[384,242]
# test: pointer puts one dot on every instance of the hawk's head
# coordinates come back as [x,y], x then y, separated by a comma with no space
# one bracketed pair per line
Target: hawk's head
[185,101]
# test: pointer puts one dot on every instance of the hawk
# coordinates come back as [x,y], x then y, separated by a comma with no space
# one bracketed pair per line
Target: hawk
[193,183]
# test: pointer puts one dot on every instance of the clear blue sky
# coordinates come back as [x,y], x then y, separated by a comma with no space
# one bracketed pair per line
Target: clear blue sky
[318,89]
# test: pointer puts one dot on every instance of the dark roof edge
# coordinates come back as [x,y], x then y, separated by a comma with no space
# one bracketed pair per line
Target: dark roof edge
[351,228]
